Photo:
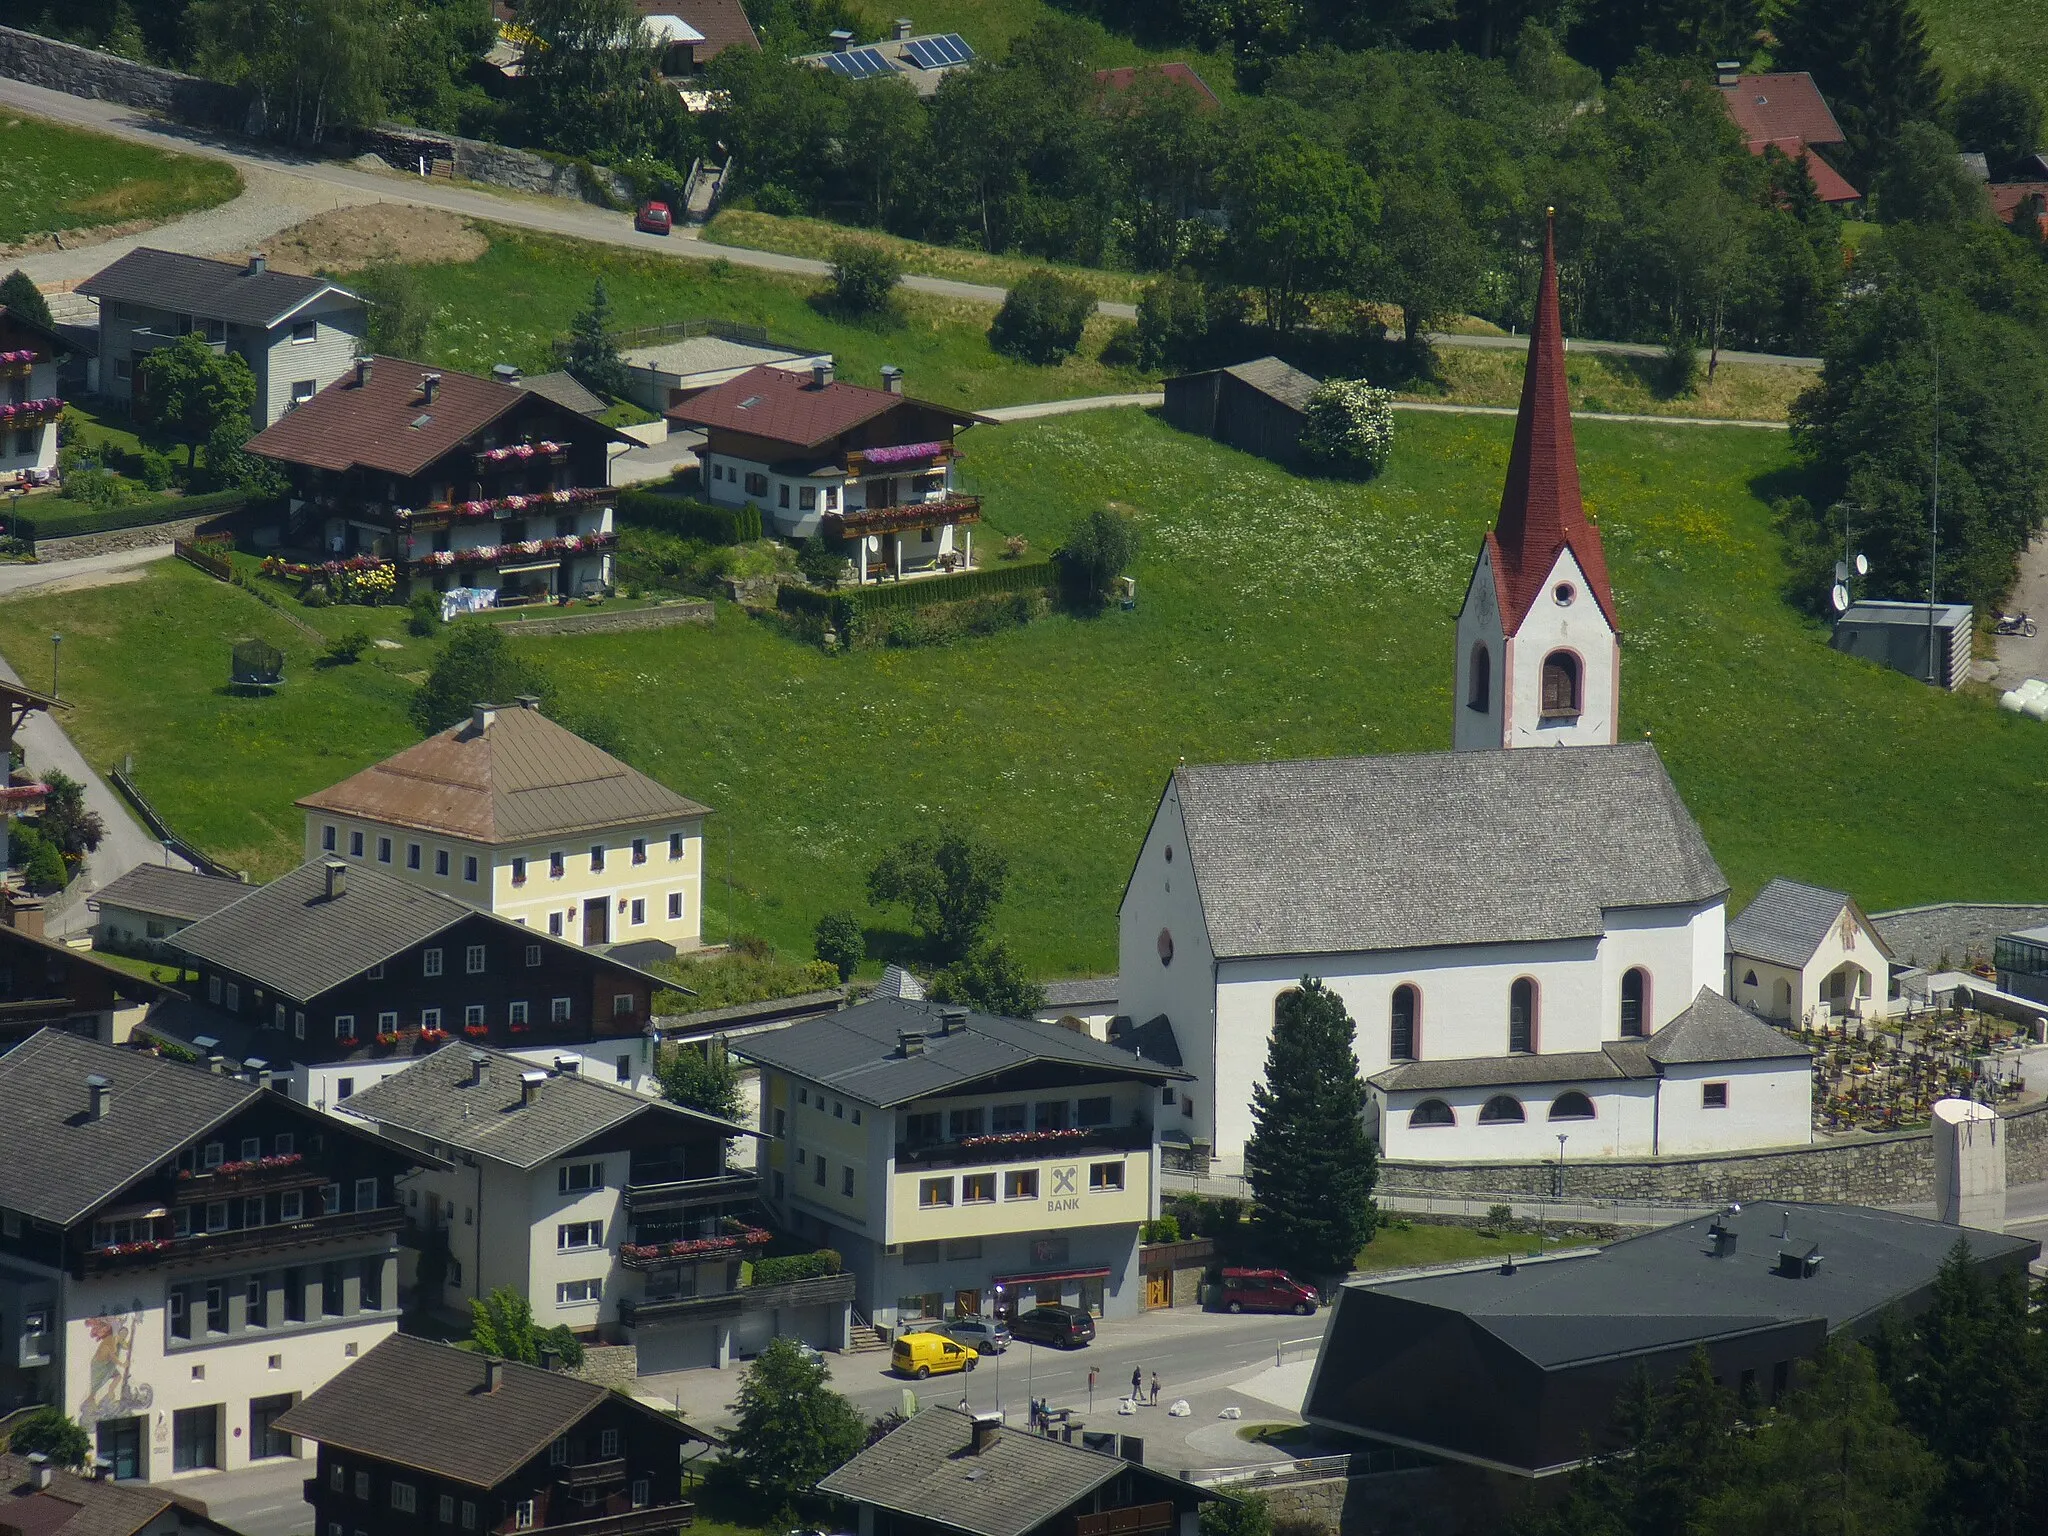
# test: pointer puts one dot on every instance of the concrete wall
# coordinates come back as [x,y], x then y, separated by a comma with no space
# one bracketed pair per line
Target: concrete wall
[84,72]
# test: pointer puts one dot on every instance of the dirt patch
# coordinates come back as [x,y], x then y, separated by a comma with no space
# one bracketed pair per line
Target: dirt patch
[82,581]
[349,239]
[77,239]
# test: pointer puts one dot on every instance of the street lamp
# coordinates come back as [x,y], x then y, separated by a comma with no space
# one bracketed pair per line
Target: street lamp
[999,1353]
[56,641]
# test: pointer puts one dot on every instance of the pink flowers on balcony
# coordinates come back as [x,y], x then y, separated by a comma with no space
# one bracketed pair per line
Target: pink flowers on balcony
[245,1165]
[490,505]
[513,453]
[489,554]
[904,453]
[20,355]
[699,1247]
[123,1250]
[1026,1138]
[30,410]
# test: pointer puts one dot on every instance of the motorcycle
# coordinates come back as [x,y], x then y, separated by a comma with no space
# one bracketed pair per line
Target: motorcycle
[2013,624]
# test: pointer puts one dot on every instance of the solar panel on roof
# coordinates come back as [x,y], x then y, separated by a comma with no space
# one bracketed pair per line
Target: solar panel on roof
[962,54]
[926,53]
[836,62]
[867,63]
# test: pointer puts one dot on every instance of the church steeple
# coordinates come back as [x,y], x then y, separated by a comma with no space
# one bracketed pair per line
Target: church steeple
[1540,509]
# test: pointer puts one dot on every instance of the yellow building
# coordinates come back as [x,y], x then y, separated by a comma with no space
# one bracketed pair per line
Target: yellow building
[945,1153]
[514,814]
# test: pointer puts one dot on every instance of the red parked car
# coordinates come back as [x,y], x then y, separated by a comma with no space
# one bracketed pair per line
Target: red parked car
[1267,1290]
[653,219]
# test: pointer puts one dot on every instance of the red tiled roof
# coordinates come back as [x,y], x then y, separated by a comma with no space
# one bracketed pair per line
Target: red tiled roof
[1117,81]
[1540,510]
[1767,107]
[2006,197]
[723,23]
[1829,184]
[787,407]
[388,424]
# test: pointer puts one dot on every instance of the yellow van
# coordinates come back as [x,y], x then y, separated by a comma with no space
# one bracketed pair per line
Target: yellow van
[920,1354]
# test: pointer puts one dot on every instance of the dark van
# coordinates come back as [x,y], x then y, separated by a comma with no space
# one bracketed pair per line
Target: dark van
[1061,1327]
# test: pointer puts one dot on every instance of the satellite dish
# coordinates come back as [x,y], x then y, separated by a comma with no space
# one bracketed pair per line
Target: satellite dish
[1841,598]
[1841,570]
[1863,565]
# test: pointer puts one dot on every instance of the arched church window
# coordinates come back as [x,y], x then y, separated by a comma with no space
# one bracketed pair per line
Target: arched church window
[1406,1010]
[1479,695]
[1635,988]
[1571,1105]
[1561,683]
[1432,1112]
[1522,1017]
[1502,1109]
[1749,978]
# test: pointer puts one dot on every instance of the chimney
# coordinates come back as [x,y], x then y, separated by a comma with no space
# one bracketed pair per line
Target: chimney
[363,373]
[529,1085]
[821,373]
[903,28]
[479,1066]
[39,1469]
[1724,1238]
[23,912]
[494,1374]
[987,1427]
[841,40]
[1133,1450]
[550,1358]
[257,1071]
[911,1041]
[258,264]
[430,387]
[1727,72]
[481,716]
[100,1094]
[952,1020]
[1784,1225]
[528,701]
[892,380]
[505,373]
[568,1064]
[337,878]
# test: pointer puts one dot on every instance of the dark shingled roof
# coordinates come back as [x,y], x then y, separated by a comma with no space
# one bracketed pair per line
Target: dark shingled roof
[928,1468]
[56,1165]
[437,1098]
[1282,381]
[1788,921]
[565,390]
[1075,994]
[1337,855]
[1714,1029]
[199,285]
[788,408]
[858,1052]
[161,891]
[79,1506]
[423,1405]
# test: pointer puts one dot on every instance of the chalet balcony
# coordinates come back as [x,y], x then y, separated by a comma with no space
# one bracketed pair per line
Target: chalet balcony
[648,1190]
[239,1241]
[1125,1522]
[632,1522]
[290,1171]
[1023,1146]
[592,1474]
[735,1244]
[906,515]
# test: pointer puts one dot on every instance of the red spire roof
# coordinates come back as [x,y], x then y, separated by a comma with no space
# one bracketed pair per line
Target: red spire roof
[1540,510]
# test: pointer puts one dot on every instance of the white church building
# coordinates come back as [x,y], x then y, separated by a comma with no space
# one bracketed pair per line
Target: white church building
[1531,942]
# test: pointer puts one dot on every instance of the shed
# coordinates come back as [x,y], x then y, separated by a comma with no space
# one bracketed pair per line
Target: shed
[1257,406]
[1903,635]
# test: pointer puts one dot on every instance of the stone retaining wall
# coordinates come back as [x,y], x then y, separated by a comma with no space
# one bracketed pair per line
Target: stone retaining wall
[78,546]
[497,166]
[1428,1501]
[101,76]
[661,617]
[609,1365]
[1867,1170]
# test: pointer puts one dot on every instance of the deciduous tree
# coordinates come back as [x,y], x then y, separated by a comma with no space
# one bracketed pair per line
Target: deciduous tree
[189,392]
[790,1428]
[951,885]
[477,666]
[704,1077]
[989,980]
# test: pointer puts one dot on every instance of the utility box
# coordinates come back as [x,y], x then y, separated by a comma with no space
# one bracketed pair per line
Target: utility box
[1901,636]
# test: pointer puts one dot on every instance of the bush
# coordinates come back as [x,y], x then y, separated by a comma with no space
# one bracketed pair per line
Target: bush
[317,597]
[561,1340]
[1348,427]
[1679,370]
[44,869]
[345,650]
[821,562]
[155,470]
[840,943]
[689,519]
[1100,549]
[943,623]
[1165,1230]
[423,616]
[797,1266]
[1173,322]
[1042,319]
[49,1431]
[864,278]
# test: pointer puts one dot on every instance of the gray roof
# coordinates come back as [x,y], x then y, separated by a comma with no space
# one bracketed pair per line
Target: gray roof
[1665,1287]
[899,983]
[1952,934]
[436,1098]
[1786,922]
[1337,855]
[1078,994]
[928,1468]
[1946,615]
[1711,1029]
[566,391]
[55,1164]
[1154,1039]
[290,937]
[1285,383]
[161,891]
[858,1051]
[201,286]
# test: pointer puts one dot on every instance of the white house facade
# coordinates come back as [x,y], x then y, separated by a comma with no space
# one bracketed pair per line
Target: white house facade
[1798,953]
[29,402]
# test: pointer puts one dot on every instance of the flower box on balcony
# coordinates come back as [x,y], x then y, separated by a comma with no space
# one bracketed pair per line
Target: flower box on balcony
[431,1037]
[245,1165]
[387,1039]
[477,1031]
[347,1042]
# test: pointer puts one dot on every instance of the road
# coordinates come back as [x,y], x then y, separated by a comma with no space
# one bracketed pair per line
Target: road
[326,184]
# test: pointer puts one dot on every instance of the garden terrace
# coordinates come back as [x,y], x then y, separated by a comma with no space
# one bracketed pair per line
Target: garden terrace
[1023,1146]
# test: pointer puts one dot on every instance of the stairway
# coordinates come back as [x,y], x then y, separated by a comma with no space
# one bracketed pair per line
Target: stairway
[863,1339]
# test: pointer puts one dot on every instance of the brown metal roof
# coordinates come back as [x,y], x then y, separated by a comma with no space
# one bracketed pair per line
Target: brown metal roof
[1771,108]
[518,778]
[787,407]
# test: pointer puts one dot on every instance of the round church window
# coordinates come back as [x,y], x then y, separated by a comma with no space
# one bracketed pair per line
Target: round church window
[1564,592]
[1166,946]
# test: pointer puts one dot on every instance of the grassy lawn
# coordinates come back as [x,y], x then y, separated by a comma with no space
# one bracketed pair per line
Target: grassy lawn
[1976,34]
[1421,1243]
[1278,617]
[54,178]
[510,304]
[990,25]
[816,237]
[1624,385]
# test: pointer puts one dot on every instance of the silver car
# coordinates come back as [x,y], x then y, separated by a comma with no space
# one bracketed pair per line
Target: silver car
[980,1334]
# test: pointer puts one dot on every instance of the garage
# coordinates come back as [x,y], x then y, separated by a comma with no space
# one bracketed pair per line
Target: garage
[676,1347]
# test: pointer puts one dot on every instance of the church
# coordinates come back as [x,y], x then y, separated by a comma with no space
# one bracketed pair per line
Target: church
[1529,929]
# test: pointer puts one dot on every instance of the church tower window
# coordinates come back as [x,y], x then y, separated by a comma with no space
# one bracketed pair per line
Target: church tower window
[1479,695]
[1560,684]
[1635,988]
[1522,1017]
[1401,1032]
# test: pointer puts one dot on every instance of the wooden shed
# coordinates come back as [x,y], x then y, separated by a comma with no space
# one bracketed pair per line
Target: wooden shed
[1256,406]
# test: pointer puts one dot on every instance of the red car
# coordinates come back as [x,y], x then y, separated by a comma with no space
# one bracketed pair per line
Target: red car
[1266,1290]
[653,219]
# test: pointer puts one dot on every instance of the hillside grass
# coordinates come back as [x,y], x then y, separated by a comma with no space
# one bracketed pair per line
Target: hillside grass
[1624,385]
[1978,34]
[511,303]
[54,179]
[1277,617]
[989,26]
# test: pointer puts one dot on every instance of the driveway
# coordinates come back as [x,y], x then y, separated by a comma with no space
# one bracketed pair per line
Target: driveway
[2016,657]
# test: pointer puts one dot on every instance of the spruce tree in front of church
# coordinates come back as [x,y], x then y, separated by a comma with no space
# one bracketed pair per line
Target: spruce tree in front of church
[1309,1162]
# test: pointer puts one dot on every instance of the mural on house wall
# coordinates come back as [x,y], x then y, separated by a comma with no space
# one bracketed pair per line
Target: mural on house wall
[111,1390]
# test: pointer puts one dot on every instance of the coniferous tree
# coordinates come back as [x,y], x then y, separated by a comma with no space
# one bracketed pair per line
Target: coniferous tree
[1309,1162]
[18,292]
[1872,62]
[593,354]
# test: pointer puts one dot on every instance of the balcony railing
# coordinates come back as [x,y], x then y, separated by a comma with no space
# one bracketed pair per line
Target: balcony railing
[233,1179]
[1024,1147]
[909,514]
[285,1234]
[820,1290]
[593,1474]
[735,1244]
[643,1192]
[1126,1522]
[633,1522]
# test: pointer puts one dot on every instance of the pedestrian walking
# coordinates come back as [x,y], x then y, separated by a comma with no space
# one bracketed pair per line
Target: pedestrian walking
[1137,1384]
[1155,1389]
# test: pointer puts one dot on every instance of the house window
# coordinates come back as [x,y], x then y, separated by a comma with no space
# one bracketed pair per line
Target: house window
[622,1005]
[639,911]
[1050,1115]
[234,998]
[1004,1118]
[639,850]
[472,1014]
[469,868]
[298,1026]
[934,1192]
[574,1178]
[1571,1105]
[1097,1111]
[213,990]
[962,1123]
[818,1178]
[343,1088]
[533,954]
[1713,1095]
[403,1498]
[216,1153]
[675,906]
[468,1515]
[412,855]
[1431,1112]
[831,498]
[1401,1028]
[923,1253]
[447,1509]
[430,1018]
[675,845]
[807,498]
[846,1181]
[608,1443]
[362,1485]
[572,1235]
[1560,685]
[757,483]
[554,866]
[782,500]
[558,1010]
[327,839]
[1501,1109]
[519,871]
[622,1069]
[304,331]
[522,1515]
[375,972]
[473,959]
[516,1013]
[124,369]
[1479,695]
[387,1022]
[597,858]
[643,1492]
[1522,1016]
[976,1189]
[1021,1184]
[291,1205]
[1103,1177]
[576,1293]
[383,850]
[430,962]
[355,845]
[252,1211]
[277,1015]
[441,862]
[554,925]
[1635,987]
[366,1194]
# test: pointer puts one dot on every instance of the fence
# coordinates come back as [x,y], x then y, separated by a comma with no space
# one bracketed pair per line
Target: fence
[848,607]
[165,835]
[205,556]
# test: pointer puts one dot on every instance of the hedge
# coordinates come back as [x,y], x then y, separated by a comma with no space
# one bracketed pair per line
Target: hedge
[848,605]
[796,1266]
[165,509]
[689,519]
